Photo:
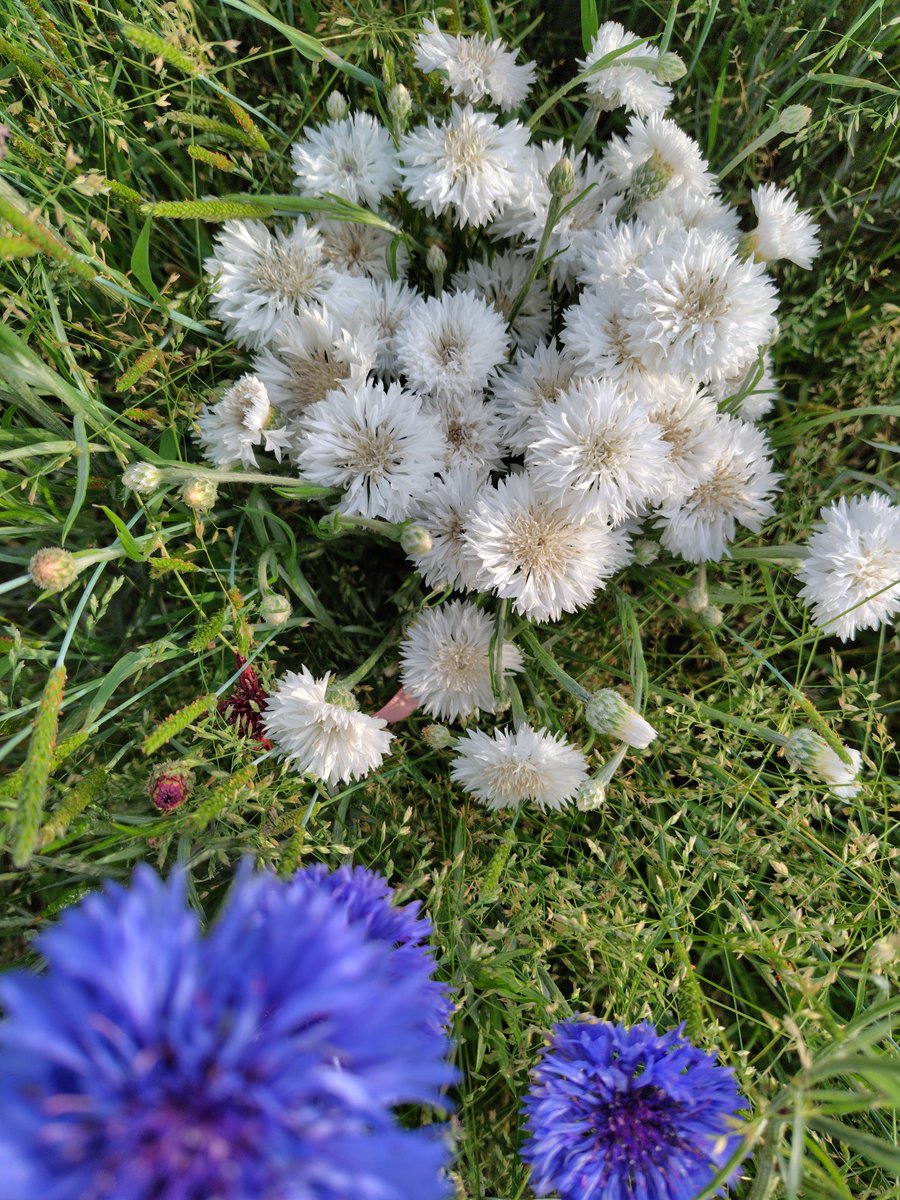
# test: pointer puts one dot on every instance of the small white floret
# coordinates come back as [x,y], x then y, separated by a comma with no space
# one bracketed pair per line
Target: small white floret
[509,768]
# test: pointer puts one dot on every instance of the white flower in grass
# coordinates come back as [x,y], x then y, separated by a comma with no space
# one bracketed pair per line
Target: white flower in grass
[782,230]
[757,388]
[596,334]
[536,551]
[677,209]
[244,418]
[807,751]
[444,661]
[386,306]
[612,715]
[354,248]
[471,433]
[448,346]
[353,158]
[499,282]
[444,509]
[611,255]
[657,157]
[694,308]
[466,164]
[851,572]
[736,489]
[521,389]
[688,419]
[375,443]
[316,725]
[506,769]
[619,85]
[313,355]
[524,213]
[599,451]
[260,280]
[474,67]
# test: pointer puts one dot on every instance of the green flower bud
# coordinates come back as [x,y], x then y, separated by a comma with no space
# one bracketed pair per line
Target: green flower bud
[200,494]
[438,737]
[611,715]
[336,106]
[650,179]
[53,569]
[399,104]
[415,540]
[275,609]
[794,118]
[561,179]
[142,478]
[670,67]
[339,694]
[436,259]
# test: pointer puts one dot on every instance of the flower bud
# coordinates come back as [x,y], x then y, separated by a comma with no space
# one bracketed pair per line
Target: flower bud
[670,67]
[415,540]
[561,179]
[399,104]
[336,106]
[436,259]
[337,692]
[649,180]
[614,717]
[591,795]
[711,617]
[142,478]
[646,551]
[200,494]
[794,118]
[52,569]
[438,737]
[806,751]
[275,609]
[169,785]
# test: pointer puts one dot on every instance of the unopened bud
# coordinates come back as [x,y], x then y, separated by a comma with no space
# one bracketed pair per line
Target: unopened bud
[142,478]
[415,540]
[591,795]
[794,118]
[711,617]
[670,67]
[645,552]
[650,179]
[438,737]
[807,751]
[697,598]
[436,259]
[275,609]
[399,103]
[336,106]
[52,569]
[339,694]
[169,785]
[200,494]
[614,717]
[561,179]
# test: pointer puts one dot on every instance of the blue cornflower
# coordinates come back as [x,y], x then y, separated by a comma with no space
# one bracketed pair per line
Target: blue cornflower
[628,1114]
[260,1062]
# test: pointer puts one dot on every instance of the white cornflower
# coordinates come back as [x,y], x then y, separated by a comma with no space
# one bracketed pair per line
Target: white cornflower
[782,230]
[611,255]
[736,489]
[524,214]
[375,443]
[693,307]
[317,725]
[386,306]
[597,338]
[599,452]
[259,280]
[851,572]
[499,283]
[444,509]
[807,751]
[313,355]
[353,158]
[449,345]
[507,769]
[242,419]
[687,417]
[471,433]
[613,716]
[467,163]
[757,389]
[474,67]
[657,157]
[676,209]
[619,85]
[536,551]
[357,249]
[522,388]
[444,661]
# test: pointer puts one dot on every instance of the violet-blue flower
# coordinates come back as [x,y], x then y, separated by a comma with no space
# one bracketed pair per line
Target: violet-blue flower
[628,1114]
[260,1062]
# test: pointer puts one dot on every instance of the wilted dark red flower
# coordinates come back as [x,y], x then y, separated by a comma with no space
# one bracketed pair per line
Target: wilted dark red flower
[244,707]
[170,785]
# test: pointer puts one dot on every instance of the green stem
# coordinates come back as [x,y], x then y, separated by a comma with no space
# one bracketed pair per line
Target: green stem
[549,664]
[351,680]
[552,217]
[649,64]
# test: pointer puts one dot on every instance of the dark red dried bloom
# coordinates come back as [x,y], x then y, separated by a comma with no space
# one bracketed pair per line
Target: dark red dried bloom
[170,785]
[244,707]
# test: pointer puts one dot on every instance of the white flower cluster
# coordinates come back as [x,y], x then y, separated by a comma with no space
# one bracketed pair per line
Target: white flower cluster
[594,367]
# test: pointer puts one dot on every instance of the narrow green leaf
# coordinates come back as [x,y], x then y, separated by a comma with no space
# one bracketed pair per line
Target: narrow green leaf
[129,545]
[140,264]
[82,474]
[590,23]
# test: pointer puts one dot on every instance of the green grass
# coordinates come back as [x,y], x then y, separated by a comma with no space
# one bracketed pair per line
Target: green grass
[714,887]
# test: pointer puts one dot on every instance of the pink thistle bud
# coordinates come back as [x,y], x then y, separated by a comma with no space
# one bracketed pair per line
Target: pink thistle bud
[169,785]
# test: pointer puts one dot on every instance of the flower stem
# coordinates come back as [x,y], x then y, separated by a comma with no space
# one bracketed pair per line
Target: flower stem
[549,664]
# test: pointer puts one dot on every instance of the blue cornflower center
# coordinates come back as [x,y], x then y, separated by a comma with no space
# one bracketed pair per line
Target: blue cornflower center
[637,1123]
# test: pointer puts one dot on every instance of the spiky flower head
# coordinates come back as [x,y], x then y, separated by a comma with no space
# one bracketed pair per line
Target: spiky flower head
[52,569]
[513,767]
[142,478]
[263,1059]
[628,1114]
[782,230]
[636,87]
[200,494]
[351,157]
[170,784]
[473,67]
[808,751]
[612,715]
